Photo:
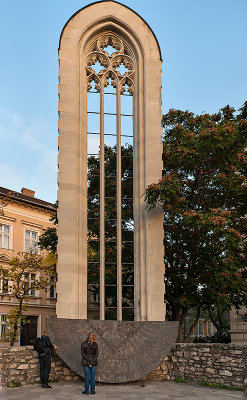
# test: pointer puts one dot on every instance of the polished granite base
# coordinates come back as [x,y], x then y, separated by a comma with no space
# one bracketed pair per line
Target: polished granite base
[127,350]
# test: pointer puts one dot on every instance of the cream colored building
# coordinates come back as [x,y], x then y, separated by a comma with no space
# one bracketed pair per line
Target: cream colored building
[22,220]
[109,105]
[238,322]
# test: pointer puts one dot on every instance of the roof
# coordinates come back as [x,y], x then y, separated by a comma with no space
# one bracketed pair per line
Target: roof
[113,1]
[32,201]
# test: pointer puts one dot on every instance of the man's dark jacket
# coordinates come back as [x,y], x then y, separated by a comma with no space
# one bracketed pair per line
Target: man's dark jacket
[48,346]
[89,353]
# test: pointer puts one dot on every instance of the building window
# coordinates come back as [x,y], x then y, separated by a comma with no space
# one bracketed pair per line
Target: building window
[4,236]
[4,286]
[2,325]
[52,289]
[210,328]
[29,284]
[31,241]
[110,68]
[201,327]
[95,295]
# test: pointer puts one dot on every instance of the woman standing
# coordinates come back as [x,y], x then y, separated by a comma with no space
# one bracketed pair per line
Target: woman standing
[89,352]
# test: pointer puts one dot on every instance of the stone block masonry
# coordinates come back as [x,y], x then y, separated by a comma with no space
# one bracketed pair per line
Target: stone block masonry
[223,364]
[21,364]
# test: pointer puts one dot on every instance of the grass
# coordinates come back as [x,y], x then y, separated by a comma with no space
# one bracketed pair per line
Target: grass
[180,379]
[15,383]
[204,382]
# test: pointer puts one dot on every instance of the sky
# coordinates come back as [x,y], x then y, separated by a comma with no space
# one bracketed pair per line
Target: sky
[203,45]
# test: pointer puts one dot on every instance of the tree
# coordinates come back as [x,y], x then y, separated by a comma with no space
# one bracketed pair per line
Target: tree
[48,240]
[203,195]
[26,274]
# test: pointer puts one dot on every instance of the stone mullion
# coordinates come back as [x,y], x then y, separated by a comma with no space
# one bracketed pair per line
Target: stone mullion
[102,207]
[119,208]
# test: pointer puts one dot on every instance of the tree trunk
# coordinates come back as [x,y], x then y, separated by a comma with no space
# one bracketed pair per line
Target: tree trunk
[193,325]
[13,337]
[18,321]
[181,317]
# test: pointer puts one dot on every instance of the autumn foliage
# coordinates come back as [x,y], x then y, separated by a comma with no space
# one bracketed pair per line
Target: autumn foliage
[203,193]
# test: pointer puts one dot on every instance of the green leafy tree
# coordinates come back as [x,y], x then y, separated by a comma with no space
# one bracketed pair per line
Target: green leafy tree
[48,240]
[203,195]
[18,273]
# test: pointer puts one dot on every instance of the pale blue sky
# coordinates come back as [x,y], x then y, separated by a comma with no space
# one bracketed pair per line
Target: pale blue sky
[203,44]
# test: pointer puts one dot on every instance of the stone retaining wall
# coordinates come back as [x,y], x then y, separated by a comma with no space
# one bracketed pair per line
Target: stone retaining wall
[224,364]
[21,364]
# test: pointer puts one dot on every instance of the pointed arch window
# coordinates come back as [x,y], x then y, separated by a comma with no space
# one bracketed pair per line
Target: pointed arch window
[110,68]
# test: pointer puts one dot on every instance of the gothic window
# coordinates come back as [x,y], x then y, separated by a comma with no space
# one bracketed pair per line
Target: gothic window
[110,69]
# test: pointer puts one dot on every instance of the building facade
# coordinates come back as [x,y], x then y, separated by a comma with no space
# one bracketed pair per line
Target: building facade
[22,220]
[238,322]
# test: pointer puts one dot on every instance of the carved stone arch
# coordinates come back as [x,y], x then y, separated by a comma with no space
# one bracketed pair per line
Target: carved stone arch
[113,76]
[81,30]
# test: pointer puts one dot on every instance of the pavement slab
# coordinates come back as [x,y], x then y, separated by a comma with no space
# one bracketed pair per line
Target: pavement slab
[133,391]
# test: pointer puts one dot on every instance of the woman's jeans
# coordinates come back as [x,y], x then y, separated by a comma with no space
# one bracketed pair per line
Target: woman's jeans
[89,372]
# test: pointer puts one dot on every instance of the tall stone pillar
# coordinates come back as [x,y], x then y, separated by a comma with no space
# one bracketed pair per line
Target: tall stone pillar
[84,42]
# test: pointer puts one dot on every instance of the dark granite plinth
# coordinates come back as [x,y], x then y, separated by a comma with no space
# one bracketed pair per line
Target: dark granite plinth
[127,350]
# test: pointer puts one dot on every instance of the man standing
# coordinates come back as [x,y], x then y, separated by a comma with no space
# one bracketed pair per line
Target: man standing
[44,347]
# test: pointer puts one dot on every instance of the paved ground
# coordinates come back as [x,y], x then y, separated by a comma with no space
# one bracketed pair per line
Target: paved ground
[152,391]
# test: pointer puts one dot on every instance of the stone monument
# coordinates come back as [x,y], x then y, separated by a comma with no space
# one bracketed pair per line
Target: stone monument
[110,248]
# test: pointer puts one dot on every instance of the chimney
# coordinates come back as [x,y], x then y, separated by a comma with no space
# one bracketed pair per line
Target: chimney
[27,192]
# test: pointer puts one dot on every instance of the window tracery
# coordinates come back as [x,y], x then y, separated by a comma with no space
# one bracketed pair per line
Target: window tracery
[110,57]
[110,72]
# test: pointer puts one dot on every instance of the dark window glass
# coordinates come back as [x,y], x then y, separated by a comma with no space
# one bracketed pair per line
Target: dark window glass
[111,274]
[127,234]
[110,252]
[127,209]
[110,164]
[93,272]
[110,207]
[127,165]
[111,296]
[93,296]
[127,187]
[128,314]
[128,296]
[128,274]
[110,186]
[110,230]
[127,252]
[111,314]
[93,250]
[93,227]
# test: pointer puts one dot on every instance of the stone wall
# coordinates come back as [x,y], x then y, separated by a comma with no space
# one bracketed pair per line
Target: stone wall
[21,364]
[223,364]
